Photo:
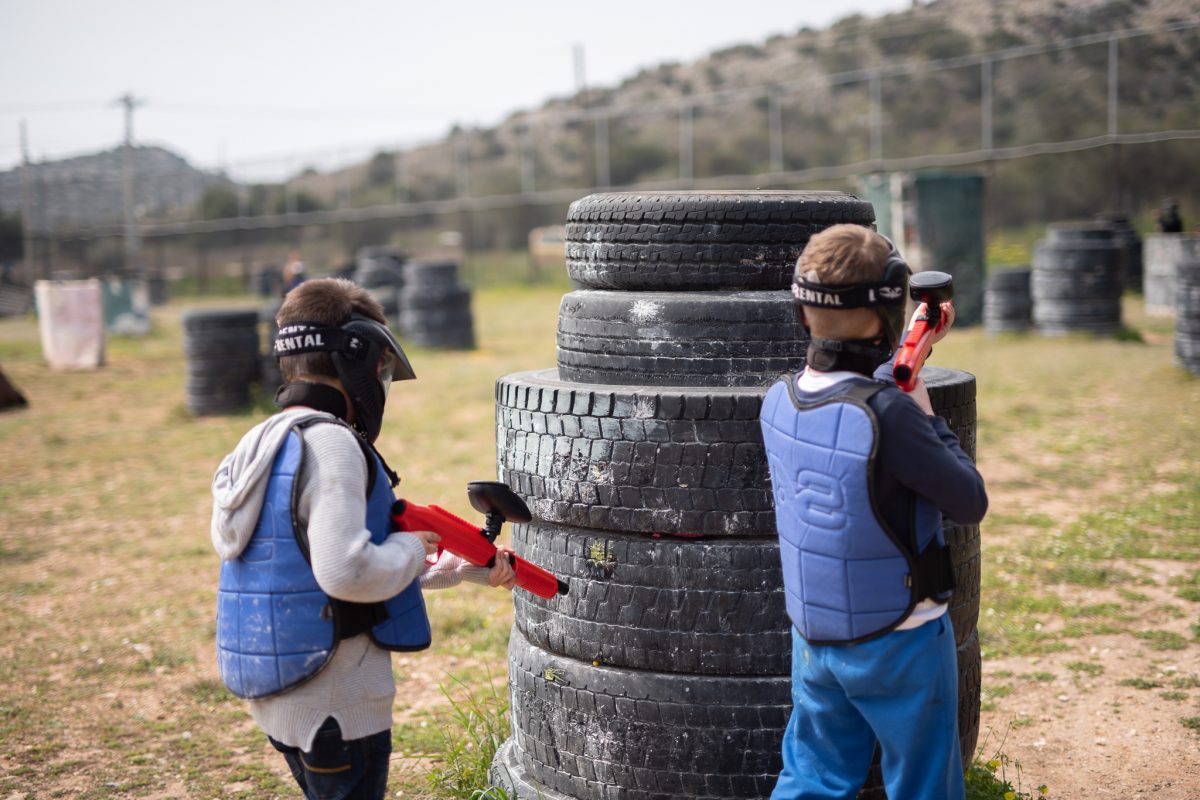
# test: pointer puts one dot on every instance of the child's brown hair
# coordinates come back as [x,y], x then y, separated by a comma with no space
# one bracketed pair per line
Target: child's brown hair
[325,301]
[842,254]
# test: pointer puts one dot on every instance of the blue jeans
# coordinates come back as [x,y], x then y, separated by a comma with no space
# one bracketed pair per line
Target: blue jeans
[900,690]
[336,769]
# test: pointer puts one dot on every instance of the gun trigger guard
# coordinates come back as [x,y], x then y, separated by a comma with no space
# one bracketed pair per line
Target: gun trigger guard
[434,560]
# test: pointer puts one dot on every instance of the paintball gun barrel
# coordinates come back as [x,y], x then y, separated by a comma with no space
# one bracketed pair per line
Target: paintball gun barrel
[498,504]
[931,288]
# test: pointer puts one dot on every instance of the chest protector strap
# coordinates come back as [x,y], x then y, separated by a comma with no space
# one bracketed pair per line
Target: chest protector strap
[350,619]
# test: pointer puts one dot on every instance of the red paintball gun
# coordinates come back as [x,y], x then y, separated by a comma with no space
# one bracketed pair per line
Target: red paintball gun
[498,504]
[931,288]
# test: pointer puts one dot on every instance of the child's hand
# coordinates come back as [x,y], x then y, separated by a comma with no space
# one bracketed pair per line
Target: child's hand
[920,395]
[429,540]
[943,327]
[501,573]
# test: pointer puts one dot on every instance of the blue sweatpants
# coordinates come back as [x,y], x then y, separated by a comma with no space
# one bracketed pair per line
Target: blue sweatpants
[901,690]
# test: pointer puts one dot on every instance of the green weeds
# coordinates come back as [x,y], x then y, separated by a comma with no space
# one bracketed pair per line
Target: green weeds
[468,737]
[998,777]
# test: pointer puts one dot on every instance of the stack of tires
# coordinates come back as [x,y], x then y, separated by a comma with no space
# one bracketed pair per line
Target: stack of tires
[380,270]
[221,347]
[1130,243]
[1164,252]
[435,309]
[1187,316]
[665,671]
[1007,306]
[1077,280]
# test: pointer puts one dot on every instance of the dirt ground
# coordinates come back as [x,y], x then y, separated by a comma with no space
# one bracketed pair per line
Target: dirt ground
[1065,720]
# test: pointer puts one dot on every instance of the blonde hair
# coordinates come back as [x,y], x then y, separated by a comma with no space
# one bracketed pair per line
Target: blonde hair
[843,254]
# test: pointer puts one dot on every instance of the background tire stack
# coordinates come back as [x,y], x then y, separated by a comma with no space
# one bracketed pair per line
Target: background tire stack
[1187,316]
[380,270]
[1077,280]
[222,352]
[1130,243]
[435,309]
[1163,253]
[1007,306]
[665,673]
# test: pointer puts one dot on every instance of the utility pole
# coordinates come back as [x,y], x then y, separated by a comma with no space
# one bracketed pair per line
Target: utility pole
[26,208]
[585,155]
[127,169]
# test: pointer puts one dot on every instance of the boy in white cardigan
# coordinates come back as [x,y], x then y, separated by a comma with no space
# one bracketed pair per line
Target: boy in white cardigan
[315,587]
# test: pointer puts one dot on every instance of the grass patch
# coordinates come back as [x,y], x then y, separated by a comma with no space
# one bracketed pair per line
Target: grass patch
[476,726]
[998,777]
[1139,683]
[1086,667]
[1162,640]
[1188,587]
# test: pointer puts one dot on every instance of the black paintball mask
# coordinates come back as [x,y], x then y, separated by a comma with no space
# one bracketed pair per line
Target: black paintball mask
[367,358]
[886,296]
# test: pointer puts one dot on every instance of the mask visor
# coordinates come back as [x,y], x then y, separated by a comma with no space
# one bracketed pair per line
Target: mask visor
[389,366]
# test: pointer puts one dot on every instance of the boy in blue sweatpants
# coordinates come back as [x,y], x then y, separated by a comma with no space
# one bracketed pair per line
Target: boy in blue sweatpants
[861,474]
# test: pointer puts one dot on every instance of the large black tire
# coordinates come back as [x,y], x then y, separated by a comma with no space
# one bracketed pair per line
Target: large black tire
[1007,305]
[15,301]
[1187,316]
[595,733]
[10,395]
[702,606]
[636,459]
[431,275]
[423,301]
[679,338]
[222,349]
[602,732]
[1126,238]
[699,241]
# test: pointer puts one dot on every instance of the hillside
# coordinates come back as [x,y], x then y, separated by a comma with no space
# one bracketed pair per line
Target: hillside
[1051,96]
[86,190]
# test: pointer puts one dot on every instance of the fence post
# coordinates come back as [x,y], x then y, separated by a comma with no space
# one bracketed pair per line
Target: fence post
[398,187]
[1113,83]
[602,167]
[686,166]
[528,159]
[775,126]
[876,115]
[985,106]
[462,166]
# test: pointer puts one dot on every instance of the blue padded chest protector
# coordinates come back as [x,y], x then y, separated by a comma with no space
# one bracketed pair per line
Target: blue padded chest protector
[276,628]
[846,576]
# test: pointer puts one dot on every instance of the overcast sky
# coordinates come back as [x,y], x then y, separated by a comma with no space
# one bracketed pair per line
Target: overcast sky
[265,86]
